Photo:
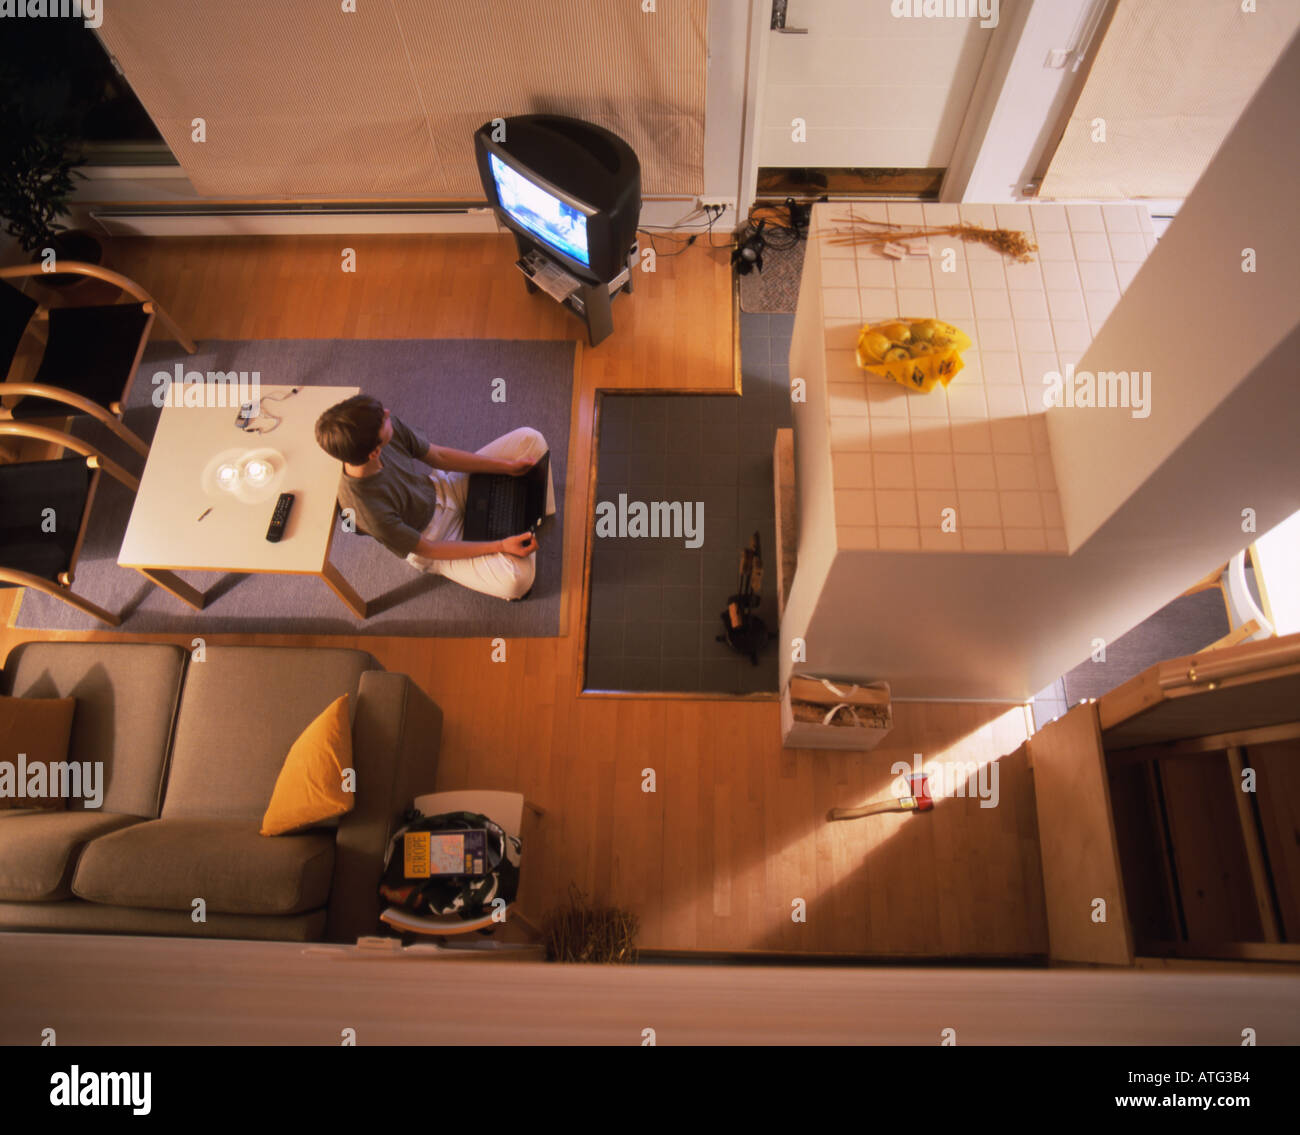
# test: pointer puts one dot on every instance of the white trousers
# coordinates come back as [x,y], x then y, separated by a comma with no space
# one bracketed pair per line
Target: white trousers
[501,575]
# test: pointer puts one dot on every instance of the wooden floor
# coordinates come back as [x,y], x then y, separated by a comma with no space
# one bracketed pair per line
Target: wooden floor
[168,992]
[735,833]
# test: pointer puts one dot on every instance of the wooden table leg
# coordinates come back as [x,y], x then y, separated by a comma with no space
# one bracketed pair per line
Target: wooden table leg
[169,581]
[343,589]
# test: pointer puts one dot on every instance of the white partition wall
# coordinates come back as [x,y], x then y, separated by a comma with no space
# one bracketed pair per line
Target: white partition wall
[1194,318]
[1150,503]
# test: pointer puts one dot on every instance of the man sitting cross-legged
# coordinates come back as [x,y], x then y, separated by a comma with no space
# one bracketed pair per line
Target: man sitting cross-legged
[421,515]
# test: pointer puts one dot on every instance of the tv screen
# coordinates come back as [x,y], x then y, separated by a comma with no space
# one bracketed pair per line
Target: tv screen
[543,214]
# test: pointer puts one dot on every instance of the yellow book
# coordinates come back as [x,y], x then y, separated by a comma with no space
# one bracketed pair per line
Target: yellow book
[415,855]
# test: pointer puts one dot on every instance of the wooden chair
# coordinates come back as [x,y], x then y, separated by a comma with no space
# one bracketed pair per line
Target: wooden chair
[91,353]
[504,808]
[1248,622]
[32,493]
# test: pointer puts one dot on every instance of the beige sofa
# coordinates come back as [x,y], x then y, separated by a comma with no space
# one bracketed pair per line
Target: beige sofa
[191,750]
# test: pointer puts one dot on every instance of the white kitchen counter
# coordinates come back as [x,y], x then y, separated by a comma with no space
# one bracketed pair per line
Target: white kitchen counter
[898,457]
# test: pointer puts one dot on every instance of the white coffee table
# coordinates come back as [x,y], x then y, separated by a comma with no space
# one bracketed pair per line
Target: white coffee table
[165,533]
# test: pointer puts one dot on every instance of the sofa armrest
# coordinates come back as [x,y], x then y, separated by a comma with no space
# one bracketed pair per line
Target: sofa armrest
[395,737]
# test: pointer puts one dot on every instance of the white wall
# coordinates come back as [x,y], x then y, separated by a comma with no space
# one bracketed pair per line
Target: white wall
[1191,316]
[724,101]
[1168,82]
[813,472]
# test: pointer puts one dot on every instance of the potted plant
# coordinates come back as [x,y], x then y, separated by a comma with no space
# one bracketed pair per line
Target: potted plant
[38,149]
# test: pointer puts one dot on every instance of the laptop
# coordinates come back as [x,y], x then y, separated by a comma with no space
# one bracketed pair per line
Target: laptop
[499,505]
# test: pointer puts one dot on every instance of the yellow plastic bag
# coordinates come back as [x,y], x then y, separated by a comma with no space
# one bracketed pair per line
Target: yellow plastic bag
[916,353]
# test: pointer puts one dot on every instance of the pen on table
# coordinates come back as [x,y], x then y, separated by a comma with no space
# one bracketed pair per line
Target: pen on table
[203,514]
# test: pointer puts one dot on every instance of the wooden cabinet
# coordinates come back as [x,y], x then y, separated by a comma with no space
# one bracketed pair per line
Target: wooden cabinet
[1087,917]
[1175,801]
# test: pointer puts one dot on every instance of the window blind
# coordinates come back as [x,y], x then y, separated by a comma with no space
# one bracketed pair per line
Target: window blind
[302,99]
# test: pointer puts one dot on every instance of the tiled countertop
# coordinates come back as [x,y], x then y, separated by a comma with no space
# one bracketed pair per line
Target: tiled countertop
[981,446]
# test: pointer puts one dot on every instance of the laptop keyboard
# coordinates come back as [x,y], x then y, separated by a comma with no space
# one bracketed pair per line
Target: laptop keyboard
[504,509]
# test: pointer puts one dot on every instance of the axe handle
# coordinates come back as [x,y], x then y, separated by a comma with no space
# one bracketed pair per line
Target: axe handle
[872,809]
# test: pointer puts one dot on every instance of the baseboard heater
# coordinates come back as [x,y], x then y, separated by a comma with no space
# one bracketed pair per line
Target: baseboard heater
[290,219]
[188,218]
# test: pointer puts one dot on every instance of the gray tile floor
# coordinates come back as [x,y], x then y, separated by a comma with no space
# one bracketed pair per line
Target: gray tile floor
[655,604]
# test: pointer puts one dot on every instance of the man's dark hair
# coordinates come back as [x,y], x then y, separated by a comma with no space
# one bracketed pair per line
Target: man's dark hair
[350,429]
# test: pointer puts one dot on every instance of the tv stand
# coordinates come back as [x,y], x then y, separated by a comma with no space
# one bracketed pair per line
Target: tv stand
[589,302]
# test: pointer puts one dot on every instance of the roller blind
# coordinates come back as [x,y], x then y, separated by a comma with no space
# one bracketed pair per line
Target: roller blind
[1168,82]
[301,99]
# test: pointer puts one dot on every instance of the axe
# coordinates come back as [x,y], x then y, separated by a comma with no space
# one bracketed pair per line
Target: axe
[918,801]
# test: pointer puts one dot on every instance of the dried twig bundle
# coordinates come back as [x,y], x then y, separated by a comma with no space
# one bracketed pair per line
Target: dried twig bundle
[1009,242]
[581,932]
[864,716]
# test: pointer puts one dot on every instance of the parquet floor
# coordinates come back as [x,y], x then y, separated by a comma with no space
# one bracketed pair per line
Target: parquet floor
[735,834]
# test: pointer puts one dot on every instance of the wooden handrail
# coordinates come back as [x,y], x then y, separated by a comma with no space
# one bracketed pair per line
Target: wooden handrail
[82,268]
[94,458]
[85,405]
[1232,662]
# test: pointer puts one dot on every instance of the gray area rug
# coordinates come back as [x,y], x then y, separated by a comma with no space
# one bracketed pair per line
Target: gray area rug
[776,287]
[1188,624]
[440,387]
[1185,625]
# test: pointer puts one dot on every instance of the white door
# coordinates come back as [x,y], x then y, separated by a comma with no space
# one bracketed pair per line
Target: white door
[872,89]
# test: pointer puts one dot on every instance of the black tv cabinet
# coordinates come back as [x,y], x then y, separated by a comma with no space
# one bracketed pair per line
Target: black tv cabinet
[589,302]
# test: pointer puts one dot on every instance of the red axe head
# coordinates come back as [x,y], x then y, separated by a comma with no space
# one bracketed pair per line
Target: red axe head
[919,786]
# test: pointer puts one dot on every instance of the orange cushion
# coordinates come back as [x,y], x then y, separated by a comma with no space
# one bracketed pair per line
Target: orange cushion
[316,780]
[34,734]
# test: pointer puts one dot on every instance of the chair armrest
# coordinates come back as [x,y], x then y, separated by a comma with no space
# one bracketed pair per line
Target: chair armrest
[82,405]
[395,739]
[98,272]
[94,458]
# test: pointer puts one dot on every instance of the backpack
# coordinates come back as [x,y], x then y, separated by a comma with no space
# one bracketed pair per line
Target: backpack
[469,896]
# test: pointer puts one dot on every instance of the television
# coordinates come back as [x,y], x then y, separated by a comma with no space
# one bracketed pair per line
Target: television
[567,187]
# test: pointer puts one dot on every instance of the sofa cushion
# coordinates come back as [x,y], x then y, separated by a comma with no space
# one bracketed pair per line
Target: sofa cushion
[38,851]
[243,708]
[77,917]
[34,734]
[126,702]
[314,785]
[167,864]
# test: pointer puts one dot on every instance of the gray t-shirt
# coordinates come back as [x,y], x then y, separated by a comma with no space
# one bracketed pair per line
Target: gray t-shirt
[396,504]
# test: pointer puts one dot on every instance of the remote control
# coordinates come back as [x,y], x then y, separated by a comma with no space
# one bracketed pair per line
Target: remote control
[278,518]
